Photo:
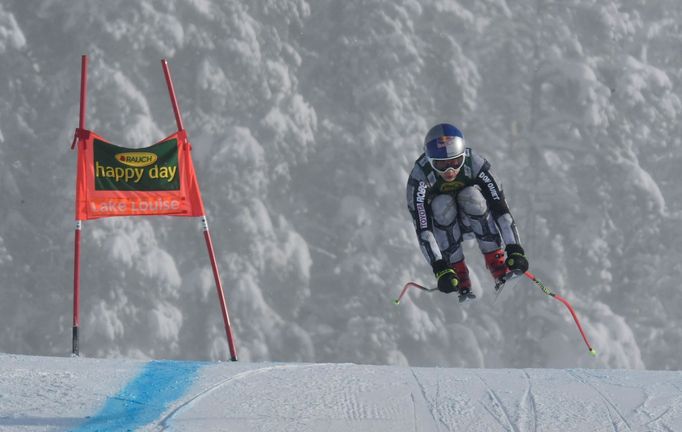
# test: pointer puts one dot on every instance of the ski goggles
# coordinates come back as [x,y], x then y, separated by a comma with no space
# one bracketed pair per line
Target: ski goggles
[441,165]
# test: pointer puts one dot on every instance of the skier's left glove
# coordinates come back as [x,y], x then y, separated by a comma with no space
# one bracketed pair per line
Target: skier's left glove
[516,258]
[446,276]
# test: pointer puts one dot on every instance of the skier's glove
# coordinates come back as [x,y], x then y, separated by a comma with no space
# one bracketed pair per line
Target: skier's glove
[447,278]
[516,258]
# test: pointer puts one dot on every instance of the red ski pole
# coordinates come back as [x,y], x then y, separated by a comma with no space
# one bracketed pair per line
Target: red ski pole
[411,285]
[550,293]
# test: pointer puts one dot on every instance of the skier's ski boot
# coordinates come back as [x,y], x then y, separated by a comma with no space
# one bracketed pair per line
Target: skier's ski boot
[494,261]
[464,281]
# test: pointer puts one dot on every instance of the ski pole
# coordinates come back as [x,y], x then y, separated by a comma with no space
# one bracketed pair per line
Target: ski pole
[409,285]
[550,293]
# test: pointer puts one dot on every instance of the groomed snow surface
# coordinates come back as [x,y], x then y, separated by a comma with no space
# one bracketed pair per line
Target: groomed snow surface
[80,394]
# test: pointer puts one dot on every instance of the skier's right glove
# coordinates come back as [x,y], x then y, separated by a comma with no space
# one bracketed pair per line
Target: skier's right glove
[447,278]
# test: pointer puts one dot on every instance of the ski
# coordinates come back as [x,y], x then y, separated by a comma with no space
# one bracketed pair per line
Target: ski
[466,297]
[462,297]
[500,283]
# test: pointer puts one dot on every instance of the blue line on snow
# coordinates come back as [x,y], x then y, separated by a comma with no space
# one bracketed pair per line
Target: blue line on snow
[145,398]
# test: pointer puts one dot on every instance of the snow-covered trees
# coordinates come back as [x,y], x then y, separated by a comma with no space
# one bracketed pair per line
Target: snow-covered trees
[305,119]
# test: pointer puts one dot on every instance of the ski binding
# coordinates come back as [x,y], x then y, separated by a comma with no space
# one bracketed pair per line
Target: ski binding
[500,283]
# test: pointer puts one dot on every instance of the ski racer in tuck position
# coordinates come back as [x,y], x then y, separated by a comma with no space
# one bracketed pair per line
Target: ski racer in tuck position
[452,193]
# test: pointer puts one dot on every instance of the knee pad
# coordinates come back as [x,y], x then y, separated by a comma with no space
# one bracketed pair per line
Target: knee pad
[444,210]
[471,202]
[446,229]
[476,217]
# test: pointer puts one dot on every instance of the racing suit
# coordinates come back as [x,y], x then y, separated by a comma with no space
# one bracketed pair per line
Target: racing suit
[444,213]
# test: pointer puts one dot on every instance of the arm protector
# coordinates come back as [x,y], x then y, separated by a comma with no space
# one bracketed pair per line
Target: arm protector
[494,195]
[417,193]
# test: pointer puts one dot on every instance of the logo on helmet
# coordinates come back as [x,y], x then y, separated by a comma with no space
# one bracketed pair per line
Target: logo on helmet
[443,141]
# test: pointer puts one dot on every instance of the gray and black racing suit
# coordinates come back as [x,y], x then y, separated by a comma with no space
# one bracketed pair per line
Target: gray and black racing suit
[445,212]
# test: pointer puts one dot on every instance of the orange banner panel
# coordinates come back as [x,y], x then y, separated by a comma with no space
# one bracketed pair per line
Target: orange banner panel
[152,181]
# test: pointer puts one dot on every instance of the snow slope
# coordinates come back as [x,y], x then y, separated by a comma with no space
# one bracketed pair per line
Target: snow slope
[305,119]
[79,394]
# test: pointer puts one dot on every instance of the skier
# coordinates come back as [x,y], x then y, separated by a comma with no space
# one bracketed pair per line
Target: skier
[452,193]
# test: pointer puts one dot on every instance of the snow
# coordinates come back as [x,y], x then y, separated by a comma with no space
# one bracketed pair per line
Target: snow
[11,36]
[81,394]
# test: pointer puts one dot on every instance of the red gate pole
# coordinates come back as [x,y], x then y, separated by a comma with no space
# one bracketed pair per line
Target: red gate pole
[219,288]
[207,234]
[171,91]
[77,233]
